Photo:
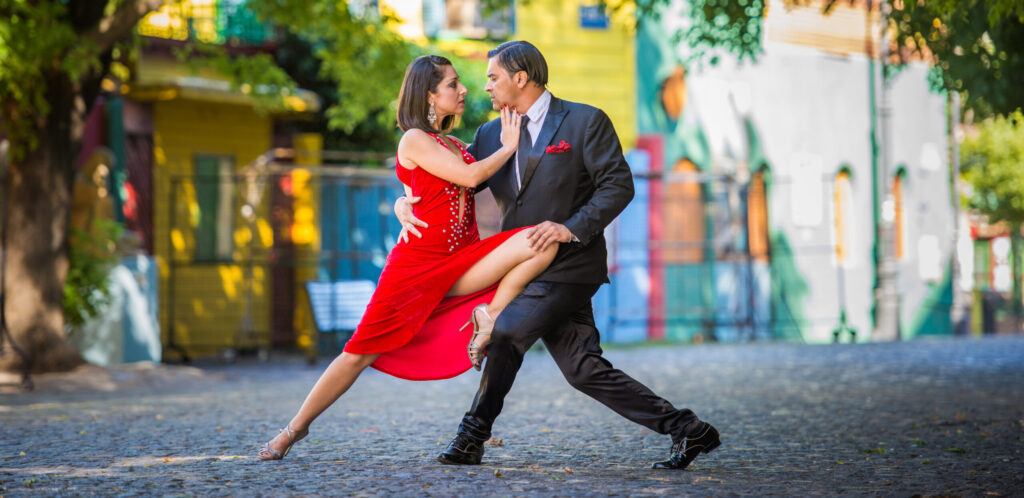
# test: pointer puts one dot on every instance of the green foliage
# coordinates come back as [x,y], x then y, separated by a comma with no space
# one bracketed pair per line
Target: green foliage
[993,164]
[976,46]
[736,26]
[356,51]
[733,26]
[296,56]
[35,38]
[91,255]
[302,57]
[256,75]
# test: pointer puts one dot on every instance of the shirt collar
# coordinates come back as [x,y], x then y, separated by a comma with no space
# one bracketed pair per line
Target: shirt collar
[539,109]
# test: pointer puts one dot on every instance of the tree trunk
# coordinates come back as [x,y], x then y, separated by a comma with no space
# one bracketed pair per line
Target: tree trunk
[39,193]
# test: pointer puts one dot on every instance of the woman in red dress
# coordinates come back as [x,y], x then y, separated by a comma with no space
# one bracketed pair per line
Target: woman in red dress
[431,285]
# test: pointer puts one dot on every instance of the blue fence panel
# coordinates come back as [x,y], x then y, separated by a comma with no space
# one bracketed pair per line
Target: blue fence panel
[358,226]
[621,309]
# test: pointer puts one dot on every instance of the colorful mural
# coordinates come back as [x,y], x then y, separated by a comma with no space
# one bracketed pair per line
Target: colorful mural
[784,146]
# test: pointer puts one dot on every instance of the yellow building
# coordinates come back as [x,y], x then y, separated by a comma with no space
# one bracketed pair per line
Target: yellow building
[591,55]
[591,58]
[211,227]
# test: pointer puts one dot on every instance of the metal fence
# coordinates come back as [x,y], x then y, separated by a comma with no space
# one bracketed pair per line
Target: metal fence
[239,246]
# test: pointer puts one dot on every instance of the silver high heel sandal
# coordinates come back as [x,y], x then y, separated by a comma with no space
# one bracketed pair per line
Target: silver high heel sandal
[268,453]
[480,327]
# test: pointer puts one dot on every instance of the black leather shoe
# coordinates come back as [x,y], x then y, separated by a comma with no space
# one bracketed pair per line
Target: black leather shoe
[463,450]
[703,440]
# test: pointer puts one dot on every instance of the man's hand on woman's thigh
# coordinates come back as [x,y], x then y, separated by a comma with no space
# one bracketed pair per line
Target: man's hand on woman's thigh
[546,233]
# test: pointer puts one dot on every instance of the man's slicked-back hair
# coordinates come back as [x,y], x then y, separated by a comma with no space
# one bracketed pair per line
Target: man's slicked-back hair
[518,55]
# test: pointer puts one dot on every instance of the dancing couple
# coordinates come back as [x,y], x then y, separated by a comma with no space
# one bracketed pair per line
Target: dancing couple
[557,172]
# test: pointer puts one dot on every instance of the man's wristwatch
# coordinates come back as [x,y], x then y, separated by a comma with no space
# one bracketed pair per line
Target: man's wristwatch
[574,238]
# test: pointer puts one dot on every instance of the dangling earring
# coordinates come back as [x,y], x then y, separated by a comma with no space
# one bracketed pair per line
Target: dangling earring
[431,115]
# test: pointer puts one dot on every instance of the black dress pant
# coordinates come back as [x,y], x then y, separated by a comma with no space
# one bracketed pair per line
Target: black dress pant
[561,315]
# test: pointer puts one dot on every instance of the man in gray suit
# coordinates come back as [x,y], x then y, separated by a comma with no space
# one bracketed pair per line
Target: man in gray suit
[569,179]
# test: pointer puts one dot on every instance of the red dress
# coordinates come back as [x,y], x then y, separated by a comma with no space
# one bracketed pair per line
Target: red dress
[409,321]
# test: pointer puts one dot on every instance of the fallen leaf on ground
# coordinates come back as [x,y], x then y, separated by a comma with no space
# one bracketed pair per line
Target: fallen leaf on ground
[167,460]
[371,429]
[498,474]
[567,469]
[494,442]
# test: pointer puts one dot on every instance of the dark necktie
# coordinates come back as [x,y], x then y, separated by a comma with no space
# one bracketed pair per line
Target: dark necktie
[525,144]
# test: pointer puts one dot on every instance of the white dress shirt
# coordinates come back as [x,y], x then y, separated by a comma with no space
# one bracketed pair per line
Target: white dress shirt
[537,113]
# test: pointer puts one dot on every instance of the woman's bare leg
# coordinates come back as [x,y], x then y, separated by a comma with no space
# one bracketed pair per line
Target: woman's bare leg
[513,264]
[339,376]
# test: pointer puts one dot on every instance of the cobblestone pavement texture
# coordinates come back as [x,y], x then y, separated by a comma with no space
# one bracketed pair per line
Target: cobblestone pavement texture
[927,417]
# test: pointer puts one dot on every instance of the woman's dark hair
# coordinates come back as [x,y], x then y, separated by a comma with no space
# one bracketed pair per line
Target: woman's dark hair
[519,55]
[423,75]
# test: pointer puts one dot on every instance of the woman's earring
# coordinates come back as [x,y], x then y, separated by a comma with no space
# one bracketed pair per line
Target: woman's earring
[431,115]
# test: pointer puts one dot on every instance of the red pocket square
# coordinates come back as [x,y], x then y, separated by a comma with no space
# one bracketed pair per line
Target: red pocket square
[563,146]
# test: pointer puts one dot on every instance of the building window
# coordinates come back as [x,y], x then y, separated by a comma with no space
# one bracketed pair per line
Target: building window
[899,227]
[844,221]
[684,217]
[757,217]
[213,186]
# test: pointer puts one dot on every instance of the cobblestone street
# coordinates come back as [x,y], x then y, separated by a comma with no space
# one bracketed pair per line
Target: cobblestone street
[927,417]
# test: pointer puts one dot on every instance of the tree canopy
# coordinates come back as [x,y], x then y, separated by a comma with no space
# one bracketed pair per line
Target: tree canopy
[992,158]
[37,39]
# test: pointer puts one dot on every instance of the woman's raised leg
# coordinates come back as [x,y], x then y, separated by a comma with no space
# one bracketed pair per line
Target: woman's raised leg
[339,376]
[513,264]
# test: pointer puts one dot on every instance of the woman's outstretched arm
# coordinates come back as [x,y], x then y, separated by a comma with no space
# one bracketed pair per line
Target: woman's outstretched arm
[417,148]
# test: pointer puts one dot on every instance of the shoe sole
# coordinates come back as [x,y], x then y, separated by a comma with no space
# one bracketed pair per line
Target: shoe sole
[446,461]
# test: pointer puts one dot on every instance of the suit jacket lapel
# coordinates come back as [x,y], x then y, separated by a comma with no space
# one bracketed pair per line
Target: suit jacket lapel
[507,173]
[509,170]
[556,113]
